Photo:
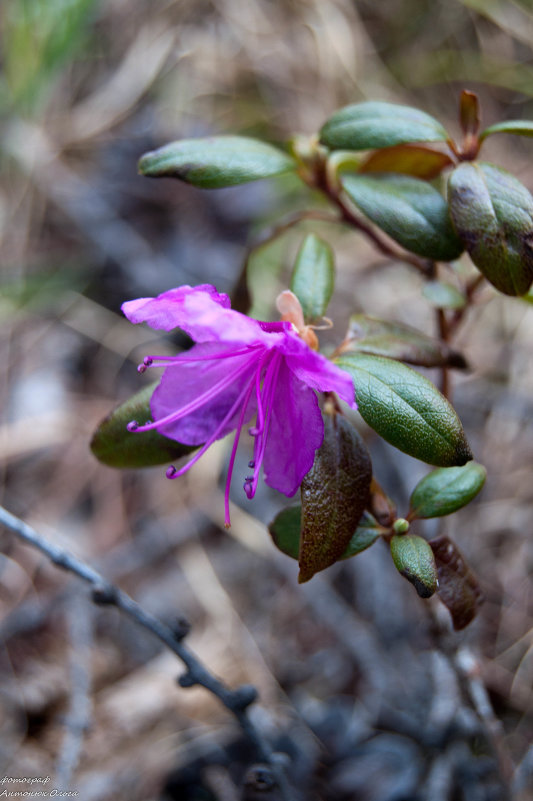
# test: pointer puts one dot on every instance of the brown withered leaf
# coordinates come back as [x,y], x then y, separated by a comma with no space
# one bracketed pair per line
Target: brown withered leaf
[458,588]
[334,495]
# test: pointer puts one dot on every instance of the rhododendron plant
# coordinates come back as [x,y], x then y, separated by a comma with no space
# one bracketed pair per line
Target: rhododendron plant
[238,369]
[376,164]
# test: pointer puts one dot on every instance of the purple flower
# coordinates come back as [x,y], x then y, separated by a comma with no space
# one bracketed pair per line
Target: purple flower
[238,369]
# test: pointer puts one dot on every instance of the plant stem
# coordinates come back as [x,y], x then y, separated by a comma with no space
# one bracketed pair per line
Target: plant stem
[350,216]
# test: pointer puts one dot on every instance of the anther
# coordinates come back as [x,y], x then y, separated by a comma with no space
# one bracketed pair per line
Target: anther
[171,471]
[147,361]
[133,425]
[251,464]
[248,487]
[141,368]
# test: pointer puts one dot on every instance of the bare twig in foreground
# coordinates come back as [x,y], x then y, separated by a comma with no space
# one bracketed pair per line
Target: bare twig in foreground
[236,701]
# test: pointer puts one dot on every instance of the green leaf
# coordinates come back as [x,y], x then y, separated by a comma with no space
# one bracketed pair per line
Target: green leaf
[313,276]
[217,161]
[366,533]
[375,124]
[516,127]
[396,341]
[115,446]
[334,494]
[415,160]
[443,296]
[458,586]
[446,490]
[406,409]
[414,560]
[285,531]
[410,211]
[493,214]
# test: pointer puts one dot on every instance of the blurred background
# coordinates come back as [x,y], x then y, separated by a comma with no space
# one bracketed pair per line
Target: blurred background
[356,684]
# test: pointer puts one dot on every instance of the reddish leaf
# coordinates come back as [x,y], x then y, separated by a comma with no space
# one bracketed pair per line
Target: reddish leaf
[422,162]
[334,495]
[458,588]
[469,113]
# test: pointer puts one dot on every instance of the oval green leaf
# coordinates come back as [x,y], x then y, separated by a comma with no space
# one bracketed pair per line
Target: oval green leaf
[443,296]
[366,533]
[446,490]
[415,160]
[286,527]
[410,211]
[516,127]
[115,446]
[493,214]
[406,409]
[397,341]
[285,530]
[334,495]
[217,161]
[376,124]
[414,560]
[458,588]
[313,276]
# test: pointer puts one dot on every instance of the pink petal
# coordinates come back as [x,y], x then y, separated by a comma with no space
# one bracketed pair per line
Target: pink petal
[183,382]
[202,313]
[318,372]
[296,431]
[162,311]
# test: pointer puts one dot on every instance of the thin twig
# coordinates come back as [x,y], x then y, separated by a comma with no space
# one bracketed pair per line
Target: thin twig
[236,701]
[323,181]
[470,291]
[469,669]
[353,219]
[448,325]
[444,336]
[79,620]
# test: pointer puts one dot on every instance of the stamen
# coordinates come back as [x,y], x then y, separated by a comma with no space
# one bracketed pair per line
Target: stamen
[168,361]
[147,362]
[243,399]
[247,487]
[259,423]
[227,521]
[266,402]
[197,403]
